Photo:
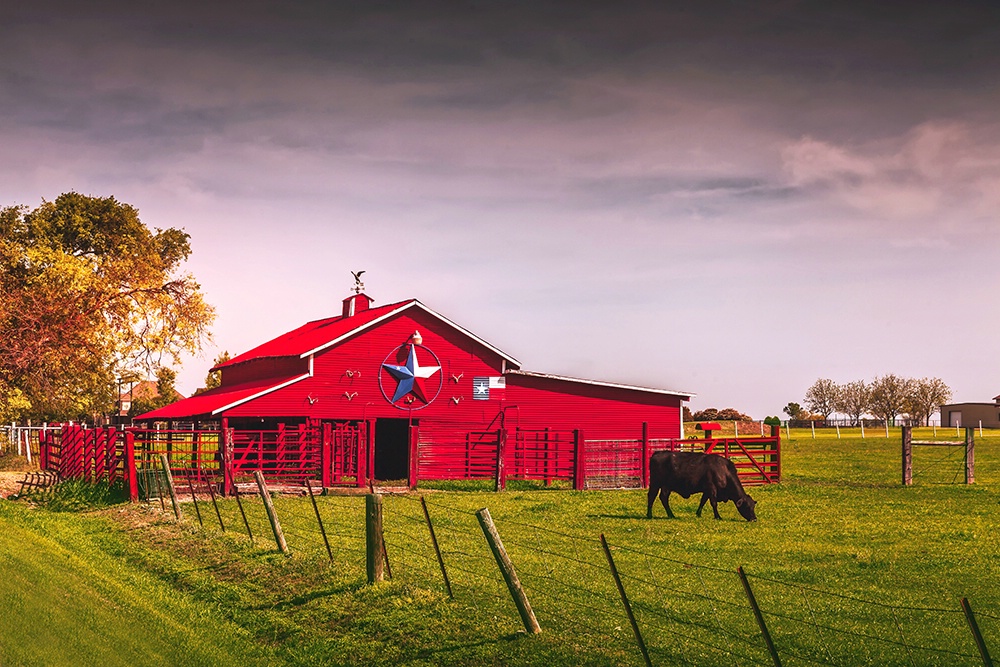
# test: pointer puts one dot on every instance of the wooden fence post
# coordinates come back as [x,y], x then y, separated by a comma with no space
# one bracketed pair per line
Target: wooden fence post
[272,516]
[579,461]
[374,544]
[507,570]
[170,485]
[976,634]
[625,602]
[907,455]
[759,616]
[437,549]
[970,456]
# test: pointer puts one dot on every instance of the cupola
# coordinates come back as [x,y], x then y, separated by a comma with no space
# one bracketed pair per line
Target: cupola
[356,303]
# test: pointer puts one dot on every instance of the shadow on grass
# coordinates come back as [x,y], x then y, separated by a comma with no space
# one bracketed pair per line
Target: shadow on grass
[429,654]
[298,600]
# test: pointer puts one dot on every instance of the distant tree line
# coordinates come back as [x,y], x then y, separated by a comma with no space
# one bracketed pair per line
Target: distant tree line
[714,415]
[886,398]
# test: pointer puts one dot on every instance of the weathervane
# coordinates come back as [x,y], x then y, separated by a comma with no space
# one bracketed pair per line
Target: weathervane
[358,285]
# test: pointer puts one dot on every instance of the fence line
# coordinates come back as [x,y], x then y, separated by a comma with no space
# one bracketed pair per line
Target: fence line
[689,613]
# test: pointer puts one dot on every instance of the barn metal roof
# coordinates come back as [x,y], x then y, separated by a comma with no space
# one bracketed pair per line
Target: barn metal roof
[597,383]
[319,335]
[214,401]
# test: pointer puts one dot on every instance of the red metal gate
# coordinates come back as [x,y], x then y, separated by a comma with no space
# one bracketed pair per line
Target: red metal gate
[345,459]
[544,454]
[88,453]
[444,453]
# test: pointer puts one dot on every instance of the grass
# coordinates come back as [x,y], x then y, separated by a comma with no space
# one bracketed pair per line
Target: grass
[849,567]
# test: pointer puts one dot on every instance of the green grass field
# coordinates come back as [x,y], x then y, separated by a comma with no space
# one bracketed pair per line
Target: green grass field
[849,567]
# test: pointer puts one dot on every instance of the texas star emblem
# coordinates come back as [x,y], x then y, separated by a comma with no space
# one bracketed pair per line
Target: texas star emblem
[412,379]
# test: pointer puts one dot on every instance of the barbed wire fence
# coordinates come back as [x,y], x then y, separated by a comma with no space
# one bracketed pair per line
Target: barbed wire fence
[685,613]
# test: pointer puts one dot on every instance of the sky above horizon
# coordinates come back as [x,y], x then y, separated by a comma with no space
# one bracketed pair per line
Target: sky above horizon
[723,198]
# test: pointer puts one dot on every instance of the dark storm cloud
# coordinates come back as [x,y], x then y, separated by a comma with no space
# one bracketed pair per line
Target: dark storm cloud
[892,43]
[875,41]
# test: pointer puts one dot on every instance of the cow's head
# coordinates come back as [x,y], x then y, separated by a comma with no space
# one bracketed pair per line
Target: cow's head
[746,505]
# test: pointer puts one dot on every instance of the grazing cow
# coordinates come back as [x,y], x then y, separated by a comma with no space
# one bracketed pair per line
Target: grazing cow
[685,473]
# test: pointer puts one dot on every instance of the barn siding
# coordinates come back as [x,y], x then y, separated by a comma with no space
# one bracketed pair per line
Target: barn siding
[601,412]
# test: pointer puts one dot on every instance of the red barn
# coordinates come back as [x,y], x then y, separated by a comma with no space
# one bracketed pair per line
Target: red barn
[400,391]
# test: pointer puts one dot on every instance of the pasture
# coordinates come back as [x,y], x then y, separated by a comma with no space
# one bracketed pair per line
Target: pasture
[849,568]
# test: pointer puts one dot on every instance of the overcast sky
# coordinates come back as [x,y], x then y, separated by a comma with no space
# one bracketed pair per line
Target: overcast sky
[704,196]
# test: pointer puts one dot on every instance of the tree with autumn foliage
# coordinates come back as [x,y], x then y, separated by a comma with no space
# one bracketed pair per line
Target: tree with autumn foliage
[88,294]
[214,378]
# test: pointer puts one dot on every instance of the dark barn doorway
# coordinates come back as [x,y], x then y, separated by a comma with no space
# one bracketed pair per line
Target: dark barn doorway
[392,449]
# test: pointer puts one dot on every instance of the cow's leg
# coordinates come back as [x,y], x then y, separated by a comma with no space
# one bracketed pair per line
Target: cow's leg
[715,506]
[665,499]
[704,499]
[650,499]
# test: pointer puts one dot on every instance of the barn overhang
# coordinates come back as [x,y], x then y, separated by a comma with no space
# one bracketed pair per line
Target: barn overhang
[217,401]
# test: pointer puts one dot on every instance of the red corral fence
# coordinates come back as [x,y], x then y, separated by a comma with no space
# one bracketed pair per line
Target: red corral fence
[93,454]
[342,455]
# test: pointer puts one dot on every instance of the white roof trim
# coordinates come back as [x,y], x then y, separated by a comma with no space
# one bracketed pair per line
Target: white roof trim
[597,383]
[264,392]
[392,313]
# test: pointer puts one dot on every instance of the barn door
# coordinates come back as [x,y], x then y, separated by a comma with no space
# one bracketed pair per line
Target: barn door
[343,453]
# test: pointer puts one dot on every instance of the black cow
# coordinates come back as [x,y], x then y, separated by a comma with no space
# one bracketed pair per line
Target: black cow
[685,473]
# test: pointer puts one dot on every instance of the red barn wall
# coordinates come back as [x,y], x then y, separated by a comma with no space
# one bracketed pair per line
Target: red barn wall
[601,412]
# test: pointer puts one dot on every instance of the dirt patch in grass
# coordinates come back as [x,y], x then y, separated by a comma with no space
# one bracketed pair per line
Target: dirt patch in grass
[10,482]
